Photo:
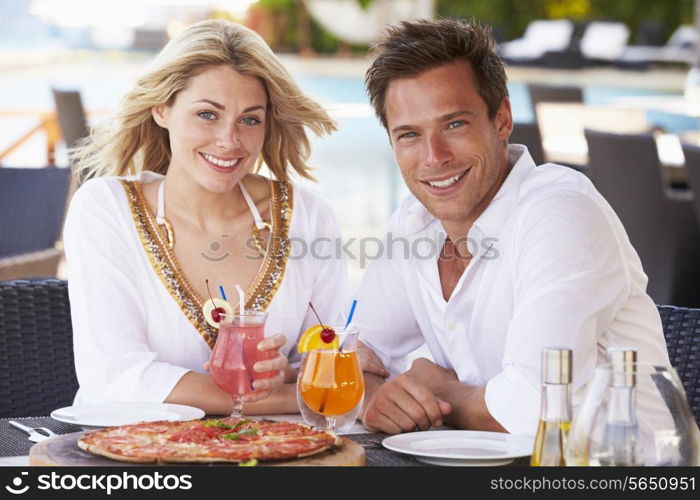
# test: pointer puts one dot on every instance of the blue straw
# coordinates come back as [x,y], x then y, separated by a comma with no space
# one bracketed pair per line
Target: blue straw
[347,323]
[352,313]
[221,291]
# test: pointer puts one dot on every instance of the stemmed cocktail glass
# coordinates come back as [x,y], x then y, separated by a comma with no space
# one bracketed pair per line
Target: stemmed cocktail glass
[330,380]
[236,352]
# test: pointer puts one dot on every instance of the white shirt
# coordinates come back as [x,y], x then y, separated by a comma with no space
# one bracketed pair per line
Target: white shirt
[132,341]
[552,266]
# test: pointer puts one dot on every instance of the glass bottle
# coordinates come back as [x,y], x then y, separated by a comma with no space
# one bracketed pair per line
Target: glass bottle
[555,412]
[621,441]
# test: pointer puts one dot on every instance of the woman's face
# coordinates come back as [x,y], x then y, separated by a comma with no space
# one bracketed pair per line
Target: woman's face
[216,126]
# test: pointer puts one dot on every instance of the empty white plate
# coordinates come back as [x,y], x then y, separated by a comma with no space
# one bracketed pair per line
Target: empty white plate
[122,413]
[461,448]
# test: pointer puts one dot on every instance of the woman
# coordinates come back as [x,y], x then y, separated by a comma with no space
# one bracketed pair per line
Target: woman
[173,201]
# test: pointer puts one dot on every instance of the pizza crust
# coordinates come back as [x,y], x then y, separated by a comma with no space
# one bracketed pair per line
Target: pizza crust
[97,450]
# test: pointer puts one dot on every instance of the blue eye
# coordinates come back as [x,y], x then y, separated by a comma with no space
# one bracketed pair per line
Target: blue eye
[251,120]
[455,124]
[207,115]
[408,135]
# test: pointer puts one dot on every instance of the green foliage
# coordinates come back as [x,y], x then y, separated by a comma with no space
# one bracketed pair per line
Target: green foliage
[276,4]
[284,12]
[322,40]
[513,16]
[568,9]
[509,17]
[634,13]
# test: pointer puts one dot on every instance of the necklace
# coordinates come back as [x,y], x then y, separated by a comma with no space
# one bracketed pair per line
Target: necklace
[258,225]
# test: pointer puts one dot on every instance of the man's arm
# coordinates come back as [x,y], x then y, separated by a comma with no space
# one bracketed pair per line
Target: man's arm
[469,410]
[401,405]
[427,395]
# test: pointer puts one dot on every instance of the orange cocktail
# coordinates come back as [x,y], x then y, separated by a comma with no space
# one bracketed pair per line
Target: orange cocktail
[330,381]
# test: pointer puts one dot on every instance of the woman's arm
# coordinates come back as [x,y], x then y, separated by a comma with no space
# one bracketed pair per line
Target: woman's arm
[113,358]
[199,390]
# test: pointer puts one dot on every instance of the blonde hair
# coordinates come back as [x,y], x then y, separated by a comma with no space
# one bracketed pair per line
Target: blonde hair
[133,142]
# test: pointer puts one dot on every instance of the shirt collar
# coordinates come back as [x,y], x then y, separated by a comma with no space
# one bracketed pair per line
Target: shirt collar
[491,220]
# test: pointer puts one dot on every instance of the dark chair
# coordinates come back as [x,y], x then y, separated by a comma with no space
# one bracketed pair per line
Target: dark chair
[650,33]
[32,206]
[682,333]
[553,93]
[71,116]
[566,59]
[528,134]
[38,371]
[692,171]
[660,223]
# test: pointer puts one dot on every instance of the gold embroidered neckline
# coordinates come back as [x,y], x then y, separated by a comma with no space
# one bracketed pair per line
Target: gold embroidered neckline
[164,262]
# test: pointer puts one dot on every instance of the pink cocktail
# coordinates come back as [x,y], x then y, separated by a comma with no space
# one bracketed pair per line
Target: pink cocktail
[236,352]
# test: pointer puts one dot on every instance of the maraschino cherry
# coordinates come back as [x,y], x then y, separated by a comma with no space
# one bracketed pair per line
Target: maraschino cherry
[217,312]
[327,334]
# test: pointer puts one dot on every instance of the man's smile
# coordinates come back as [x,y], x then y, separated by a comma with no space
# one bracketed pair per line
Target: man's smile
[445,182]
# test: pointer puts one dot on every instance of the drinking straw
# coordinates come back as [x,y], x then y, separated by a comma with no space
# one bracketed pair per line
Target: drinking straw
[347,323]
[221,291]
[241,296]
[352,313]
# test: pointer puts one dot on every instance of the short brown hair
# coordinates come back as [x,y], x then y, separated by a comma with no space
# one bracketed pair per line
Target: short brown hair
[412,48]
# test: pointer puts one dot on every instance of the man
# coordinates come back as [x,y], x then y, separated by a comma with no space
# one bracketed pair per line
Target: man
[524,257]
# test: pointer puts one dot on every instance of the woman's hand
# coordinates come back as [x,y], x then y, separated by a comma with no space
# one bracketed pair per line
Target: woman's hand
[277,363]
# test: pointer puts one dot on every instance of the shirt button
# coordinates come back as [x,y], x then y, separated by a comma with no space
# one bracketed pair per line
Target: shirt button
[451,326]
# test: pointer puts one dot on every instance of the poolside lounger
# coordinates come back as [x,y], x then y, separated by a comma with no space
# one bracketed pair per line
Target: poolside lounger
[541,36]
[679,49]
[604,41]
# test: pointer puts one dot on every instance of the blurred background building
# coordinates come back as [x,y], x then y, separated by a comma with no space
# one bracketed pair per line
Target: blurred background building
[623,68]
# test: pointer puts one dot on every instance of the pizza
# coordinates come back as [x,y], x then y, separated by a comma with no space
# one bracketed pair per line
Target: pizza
[209,440]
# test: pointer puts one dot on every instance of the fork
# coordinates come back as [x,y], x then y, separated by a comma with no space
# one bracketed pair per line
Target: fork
[36,434]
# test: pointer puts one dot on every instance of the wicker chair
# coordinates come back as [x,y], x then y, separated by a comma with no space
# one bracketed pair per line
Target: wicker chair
[540,93]
[528,134]
[692,169]
[32,206]
[682,332]
[38,372]
[71,116]
[660,222]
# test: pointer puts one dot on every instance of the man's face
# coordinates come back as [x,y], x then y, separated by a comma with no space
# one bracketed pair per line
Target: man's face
[451,155]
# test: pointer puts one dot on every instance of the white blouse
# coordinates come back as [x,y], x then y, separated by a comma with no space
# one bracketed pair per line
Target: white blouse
[137,329]
[552,266]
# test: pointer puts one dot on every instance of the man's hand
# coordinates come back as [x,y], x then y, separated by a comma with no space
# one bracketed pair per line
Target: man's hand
[370,362]
[469,410]
[432,375]
[404,404]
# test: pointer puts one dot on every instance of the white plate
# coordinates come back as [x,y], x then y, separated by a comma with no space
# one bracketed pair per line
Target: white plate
[122,413]
[461,448]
